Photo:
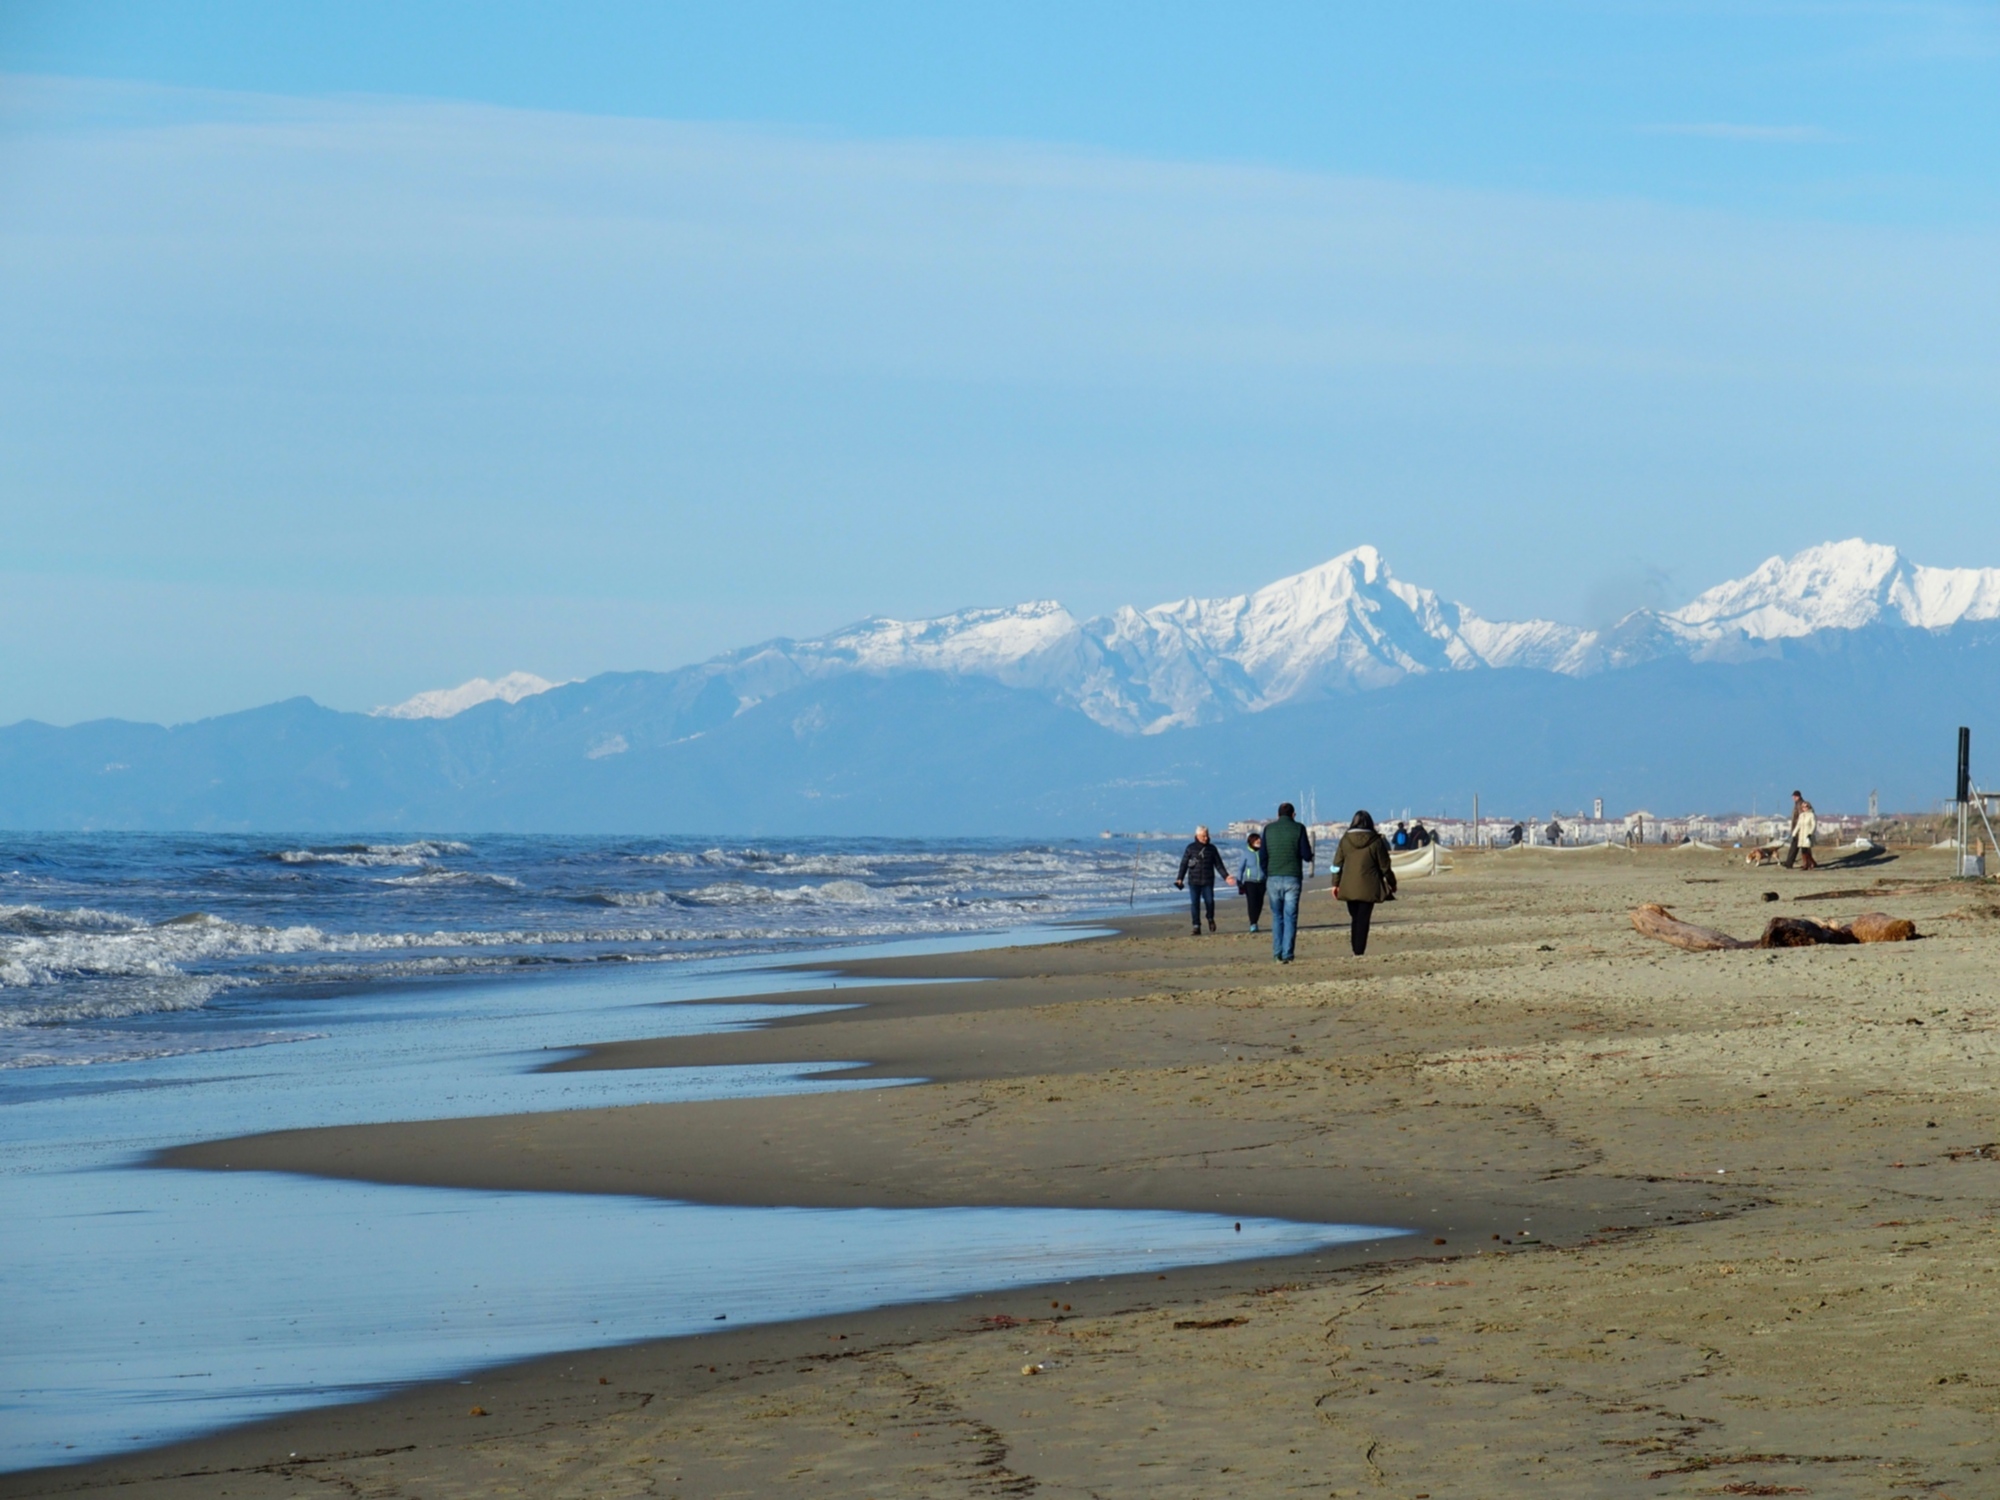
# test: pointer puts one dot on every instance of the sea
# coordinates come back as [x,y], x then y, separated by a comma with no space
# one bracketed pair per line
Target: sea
[160,989]
[127,946]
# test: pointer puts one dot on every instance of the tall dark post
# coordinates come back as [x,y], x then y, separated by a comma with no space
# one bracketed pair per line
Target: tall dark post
[1964,764]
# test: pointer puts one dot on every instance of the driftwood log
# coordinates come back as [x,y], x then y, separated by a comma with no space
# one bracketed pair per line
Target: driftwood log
[1800,932]
[1874,927]
[1656,921]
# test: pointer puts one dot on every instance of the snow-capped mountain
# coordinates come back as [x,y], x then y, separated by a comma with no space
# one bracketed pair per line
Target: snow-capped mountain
[443,703]
[1348,625]
[1843,586]
[1029,720]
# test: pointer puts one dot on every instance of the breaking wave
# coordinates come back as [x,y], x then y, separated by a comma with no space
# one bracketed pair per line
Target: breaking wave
[624,899]
[436,876]
[833,893]
[370,856]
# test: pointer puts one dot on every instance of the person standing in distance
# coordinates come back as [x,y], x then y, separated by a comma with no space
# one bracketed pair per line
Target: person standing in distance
[1288,855]
[1805,823]
[1362,875]
[1201,862]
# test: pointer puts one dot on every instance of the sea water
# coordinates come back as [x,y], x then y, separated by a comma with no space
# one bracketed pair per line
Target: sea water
[199,989]
[140,945]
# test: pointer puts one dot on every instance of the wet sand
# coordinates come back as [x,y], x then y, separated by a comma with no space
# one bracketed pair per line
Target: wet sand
[1761,1189]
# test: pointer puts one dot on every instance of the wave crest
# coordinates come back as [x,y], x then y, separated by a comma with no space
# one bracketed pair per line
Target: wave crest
[372,856]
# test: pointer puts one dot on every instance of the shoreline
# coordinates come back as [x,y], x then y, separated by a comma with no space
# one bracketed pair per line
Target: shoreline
[1126,1072]
[976,1021]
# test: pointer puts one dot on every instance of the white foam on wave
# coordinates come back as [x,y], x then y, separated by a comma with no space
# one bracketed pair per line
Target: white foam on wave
[134,949]
[76,1048]
[624,898]
[833,893]
[37,921]
[818,864]
[372,856]
[435,875]
[51,1003]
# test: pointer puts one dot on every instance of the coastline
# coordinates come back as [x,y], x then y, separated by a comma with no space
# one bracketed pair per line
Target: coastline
[996,1020]
[1478,1067]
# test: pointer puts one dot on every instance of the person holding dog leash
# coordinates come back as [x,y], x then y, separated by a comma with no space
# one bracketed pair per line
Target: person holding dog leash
[1805,823]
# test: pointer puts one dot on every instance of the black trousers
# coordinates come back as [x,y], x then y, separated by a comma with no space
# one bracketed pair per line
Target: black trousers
[1198,897]
[1253,895]
[1359,913]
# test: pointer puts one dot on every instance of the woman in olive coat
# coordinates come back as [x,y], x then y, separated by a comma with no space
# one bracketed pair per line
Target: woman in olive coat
[1362,876]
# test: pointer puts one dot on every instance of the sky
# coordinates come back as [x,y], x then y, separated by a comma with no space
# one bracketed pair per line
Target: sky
[354,349]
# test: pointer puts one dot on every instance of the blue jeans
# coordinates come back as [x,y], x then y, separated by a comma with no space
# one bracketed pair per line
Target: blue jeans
[1283,891]
[1198,897]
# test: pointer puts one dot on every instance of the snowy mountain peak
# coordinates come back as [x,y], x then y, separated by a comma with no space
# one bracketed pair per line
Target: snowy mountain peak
[973,640]
[444,703]
[1347,624]
[1844,586]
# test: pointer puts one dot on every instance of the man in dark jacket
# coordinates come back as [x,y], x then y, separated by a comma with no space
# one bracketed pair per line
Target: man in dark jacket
[1288,853]
[1201,862]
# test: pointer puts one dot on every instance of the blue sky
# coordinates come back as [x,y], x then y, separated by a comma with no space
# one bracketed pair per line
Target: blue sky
[356,349]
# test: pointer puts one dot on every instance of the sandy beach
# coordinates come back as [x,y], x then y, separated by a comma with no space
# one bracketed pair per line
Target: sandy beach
[1684,1224]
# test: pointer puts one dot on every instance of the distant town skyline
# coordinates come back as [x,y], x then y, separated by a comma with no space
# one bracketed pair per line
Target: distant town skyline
[358,350]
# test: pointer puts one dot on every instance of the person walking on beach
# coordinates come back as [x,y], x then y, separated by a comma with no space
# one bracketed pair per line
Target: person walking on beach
[1288,854]
[1805,823]
[1362,876]
[1250,878]
[1201,862]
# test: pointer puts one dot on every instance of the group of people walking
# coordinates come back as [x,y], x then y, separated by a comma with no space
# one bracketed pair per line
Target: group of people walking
[1277,860]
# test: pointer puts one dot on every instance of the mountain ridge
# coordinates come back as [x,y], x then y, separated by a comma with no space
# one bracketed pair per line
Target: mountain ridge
[1343,680]
[1348,624]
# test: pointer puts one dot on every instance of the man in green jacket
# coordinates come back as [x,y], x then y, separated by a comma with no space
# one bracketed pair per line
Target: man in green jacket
[1288,858]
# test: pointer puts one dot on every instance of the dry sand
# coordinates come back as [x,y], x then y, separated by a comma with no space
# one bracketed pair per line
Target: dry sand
[1763,1187]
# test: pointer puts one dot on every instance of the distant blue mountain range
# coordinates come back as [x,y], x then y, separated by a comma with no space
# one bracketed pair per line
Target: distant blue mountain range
[1342,684]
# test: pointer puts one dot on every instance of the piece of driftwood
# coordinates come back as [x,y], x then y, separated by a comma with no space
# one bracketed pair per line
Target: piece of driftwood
[1875,927]
[1800,932]
[1656,921]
